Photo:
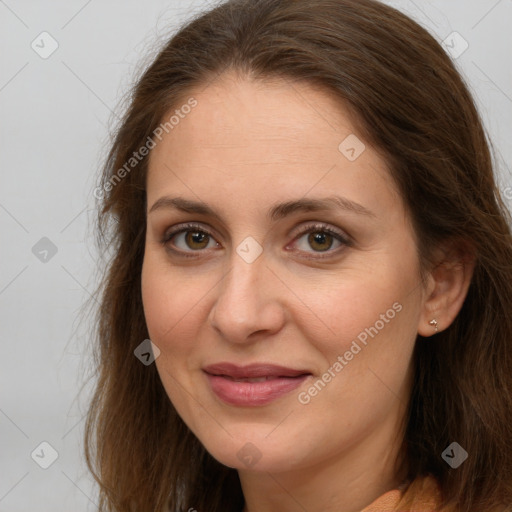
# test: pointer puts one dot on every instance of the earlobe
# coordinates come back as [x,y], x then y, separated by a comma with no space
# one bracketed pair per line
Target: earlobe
[433,323]
[446,291]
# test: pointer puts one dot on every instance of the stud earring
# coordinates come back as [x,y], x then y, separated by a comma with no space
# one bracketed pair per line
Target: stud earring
[433,322]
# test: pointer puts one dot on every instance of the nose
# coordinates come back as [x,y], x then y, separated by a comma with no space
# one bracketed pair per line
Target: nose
[247,306]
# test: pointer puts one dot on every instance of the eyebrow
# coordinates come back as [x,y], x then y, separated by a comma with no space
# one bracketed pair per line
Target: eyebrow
[276,212]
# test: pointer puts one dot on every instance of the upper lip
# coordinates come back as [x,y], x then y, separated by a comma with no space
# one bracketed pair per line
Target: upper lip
[252,370]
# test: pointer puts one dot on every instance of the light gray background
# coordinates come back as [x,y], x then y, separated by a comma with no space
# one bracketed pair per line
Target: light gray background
[54,119]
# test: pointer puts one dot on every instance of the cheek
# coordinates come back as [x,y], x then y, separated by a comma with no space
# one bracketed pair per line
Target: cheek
[172,308]
[170,301]
[366,338]
[171,296]
[366,346]
[343,306]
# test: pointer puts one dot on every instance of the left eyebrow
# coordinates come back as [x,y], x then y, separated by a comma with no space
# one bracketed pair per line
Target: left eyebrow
[313,205]
[276,212]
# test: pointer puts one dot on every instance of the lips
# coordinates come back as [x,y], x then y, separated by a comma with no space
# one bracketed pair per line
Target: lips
[254,384]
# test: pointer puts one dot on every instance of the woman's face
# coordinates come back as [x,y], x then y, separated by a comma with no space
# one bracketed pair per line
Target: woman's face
[292,248]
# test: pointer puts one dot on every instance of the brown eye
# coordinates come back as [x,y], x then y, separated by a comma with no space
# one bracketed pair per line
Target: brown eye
[188,239]
[321,238]
[196,239]
[320,241]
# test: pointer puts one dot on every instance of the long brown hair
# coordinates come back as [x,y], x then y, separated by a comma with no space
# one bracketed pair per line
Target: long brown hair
[413,106]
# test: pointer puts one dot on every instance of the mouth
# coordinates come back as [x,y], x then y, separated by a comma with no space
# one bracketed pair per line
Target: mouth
[252,385]
[253,371]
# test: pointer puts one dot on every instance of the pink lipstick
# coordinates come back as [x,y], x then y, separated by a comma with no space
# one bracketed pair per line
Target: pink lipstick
[254,384]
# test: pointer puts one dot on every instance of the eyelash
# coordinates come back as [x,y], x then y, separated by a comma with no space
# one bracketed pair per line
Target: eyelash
[311,228]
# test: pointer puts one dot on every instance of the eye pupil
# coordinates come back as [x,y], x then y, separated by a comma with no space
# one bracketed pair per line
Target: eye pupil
[196,237]
[320,238]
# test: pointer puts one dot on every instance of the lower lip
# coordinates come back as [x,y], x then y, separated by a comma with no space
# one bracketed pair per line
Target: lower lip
[250,394]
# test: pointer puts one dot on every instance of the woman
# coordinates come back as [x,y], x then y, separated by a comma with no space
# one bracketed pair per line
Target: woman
[309,232]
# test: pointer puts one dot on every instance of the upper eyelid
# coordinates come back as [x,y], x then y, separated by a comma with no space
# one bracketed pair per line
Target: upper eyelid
[320,226]
[188,226]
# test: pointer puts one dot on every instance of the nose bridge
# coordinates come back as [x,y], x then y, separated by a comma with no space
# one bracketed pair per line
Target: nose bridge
[241,283]
[247,263]
[246,302]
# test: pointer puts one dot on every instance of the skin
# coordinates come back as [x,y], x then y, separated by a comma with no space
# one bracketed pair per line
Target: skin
[245,147]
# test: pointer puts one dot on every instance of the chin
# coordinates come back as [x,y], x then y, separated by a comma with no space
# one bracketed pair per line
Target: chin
[254,452]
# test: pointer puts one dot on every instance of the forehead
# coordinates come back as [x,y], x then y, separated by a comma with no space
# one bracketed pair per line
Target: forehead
[261,138]
[236,111]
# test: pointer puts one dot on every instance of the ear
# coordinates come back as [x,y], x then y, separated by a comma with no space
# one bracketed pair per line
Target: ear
[446,287]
